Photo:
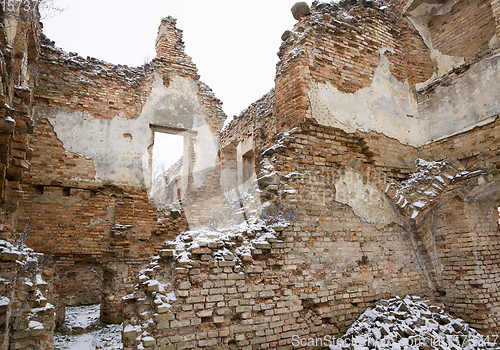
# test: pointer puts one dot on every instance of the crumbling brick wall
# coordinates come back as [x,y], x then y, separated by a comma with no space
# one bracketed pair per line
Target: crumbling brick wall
[461,234]
[26,318]
[91,214]
[90,85]
[337,234]
[465,31]
[354,231]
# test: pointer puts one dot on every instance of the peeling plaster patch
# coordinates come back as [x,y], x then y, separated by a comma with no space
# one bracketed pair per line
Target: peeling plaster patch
[366,200]
[470,101]
[11,28]
[420,18]
[384,106]
[206,154]
[494,41]
[445,63]
[176,105]
[442,65]
[118,146]
[56,197]
[116,159]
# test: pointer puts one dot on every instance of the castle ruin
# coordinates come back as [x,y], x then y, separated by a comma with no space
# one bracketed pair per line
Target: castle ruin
[370,170]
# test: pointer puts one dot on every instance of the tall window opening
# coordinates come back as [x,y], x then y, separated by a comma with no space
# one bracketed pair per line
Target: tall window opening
[166,172]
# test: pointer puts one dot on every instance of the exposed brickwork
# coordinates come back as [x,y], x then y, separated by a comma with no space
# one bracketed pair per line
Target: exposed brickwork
[465,31]
[170,47]
[26,318]
[476,149]
[295,284]
[312,260]
[86,221]
[16,123]
[301,287]
[467,232]
[419,67]
[93,86]
[329,47]
[52,162]
[92,225]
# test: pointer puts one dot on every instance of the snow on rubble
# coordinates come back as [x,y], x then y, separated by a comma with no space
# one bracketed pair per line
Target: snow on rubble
[411,323]
[234,241]
[423,186]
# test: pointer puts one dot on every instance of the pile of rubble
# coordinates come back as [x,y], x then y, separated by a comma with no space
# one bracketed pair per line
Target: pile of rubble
[411,323]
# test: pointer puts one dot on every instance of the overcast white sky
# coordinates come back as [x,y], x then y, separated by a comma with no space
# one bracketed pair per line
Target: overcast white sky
[233,43]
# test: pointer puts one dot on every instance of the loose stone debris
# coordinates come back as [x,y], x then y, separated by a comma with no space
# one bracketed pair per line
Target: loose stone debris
[412,323]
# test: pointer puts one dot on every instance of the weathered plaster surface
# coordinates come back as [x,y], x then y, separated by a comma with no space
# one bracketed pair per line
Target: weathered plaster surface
[420,18]
[368,202]
[389,107]
[386,106]
[206,152]
[118,146]
[470,101]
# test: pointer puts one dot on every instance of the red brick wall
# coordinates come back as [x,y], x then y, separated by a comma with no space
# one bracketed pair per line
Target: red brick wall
[51,162]
[495,6]
[464,237]
[81,284]
[328,48]
[102,89]
[79,218]
[419,67]
[474,149]
[290,91]
[88,222]
[16,102]
[465,31]
[348,56]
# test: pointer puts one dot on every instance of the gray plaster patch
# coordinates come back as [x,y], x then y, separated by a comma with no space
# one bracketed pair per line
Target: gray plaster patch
[471,101]
[385,106]
[368,202]
[389,107]
[119,146]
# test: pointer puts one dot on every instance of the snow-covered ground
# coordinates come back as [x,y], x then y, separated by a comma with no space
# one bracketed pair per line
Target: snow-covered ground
[80,318]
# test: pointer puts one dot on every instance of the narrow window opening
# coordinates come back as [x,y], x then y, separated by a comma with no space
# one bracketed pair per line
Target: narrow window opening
[66,191]
[248,165]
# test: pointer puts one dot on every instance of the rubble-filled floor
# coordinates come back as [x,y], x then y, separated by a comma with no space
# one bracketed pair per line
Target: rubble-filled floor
[81,331]
[411,323]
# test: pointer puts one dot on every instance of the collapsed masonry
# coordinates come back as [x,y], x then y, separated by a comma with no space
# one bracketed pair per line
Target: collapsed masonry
[370,170]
